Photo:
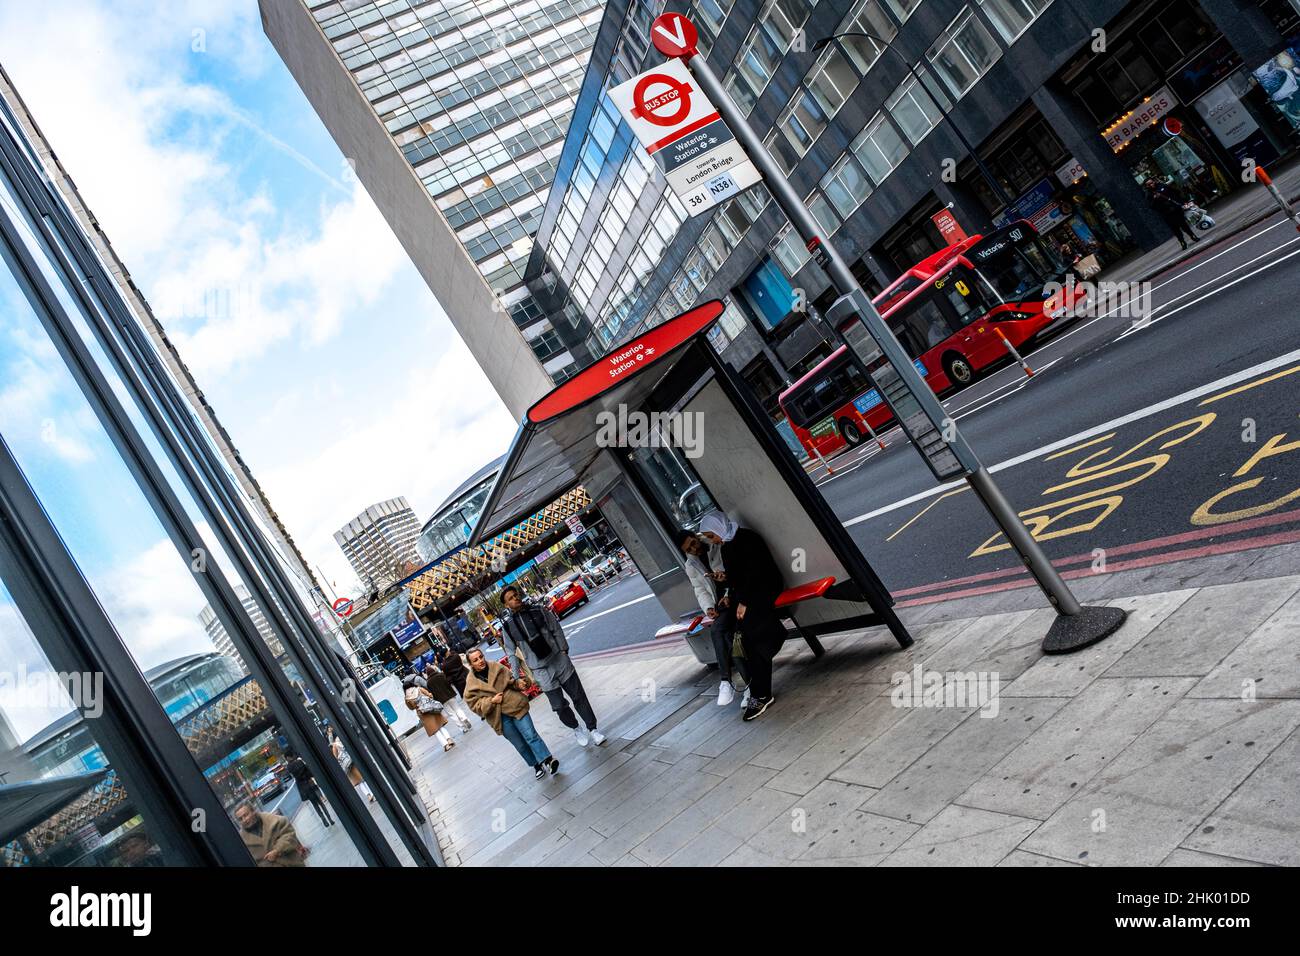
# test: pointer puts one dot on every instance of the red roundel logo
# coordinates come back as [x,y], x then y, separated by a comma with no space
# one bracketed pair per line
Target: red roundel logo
[674,35]
[668,107]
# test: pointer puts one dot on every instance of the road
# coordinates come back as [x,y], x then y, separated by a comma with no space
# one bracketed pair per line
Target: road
[1125,438]
[1129,447]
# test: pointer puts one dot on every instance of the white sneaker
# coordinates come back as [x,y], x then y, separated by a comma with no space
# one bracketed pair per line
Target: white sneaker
[726,693]
[580,736]
[597,737]
[744,701]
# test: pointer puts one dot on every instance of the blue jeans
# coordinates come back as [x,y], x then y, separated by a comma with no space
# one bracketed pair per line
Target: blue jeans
[521,732]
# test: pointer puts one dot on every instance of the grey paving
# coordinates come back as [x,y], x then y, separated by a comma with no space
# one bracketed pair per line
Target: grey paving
[1176,742]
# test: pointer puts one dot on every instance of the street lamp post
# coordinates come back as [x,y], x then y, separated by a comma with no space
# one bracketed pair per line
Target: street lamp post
[1076,626]
[911,68]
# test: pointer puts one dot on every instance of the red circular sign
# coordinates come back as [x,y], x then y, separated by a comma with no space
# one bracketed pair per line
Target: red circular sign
[674,35]
[343,607]
[1173,125]
[678,96]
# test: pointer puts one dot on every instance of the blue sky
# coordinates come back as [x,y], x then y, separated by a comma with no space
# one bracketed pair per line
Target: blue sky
[324,354]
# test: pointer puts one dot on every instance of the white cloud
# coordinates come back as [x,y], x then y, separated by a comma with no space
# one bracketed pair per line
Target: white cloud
[156,136]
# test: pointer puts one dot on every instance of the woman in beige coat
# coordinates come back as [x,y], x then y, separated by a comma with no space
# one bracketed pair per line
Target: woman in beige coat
[428,710]
[497,696]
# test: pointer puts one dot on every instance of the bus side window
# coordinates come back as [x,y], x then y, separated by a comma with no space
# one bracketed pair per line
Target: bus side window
[927,326]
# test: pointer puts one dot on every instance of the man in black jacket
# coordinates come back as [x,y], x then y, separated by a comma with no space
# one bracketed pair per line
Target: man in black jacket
[1168,204]
[535,632]
[755,582]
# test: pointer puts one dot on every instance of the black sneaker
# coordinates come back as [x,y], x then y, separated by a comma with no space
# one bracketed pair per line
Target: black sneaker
[757,705]
[539,771]
[553,764]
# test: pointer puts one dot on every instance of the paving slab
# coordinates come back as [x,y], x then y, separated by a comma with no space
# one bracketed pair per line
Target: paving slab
[1158,791]
[963,836]
[1267,663]
[1073,745]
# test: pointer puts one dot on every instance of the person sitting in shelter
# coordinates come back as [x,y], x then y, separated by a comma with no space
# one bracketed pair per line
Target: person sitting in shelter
[755,582]
[704,570]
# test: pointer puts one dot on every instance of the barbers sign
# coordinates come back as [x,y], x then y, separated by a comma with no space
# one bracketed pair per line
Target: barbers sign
[677,125]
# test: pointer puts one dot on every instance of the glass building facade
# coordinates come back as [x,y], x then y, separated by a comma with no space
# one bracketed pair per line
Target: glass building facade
[478,95]
[159,657]
[862,126]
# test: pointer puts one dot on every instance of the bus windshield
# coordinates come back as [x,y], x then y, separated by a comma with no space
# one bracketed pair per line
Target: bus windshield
[1018,269]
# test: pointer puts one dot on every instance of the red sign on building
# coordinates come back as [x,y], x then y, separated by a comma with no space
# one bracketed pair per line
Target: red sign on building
[948,226]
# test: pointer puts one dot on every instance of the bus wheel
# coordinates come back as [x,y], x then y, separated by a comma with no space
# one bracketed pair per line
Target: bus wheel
[959,370]
[850,433]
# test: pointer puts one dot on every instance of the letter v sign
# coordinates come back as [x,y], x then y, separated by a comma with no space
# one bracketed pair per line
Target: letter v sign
[674,35]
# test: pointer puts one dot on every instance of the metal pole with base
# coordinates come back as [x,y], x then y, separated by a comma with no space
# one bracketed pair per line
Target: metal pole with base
[914,404]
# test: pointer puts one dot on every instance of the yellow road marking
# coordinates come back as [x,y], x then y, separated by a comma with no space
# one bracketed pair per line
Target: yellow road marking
[1087,444]
[1249,385]
[946,494]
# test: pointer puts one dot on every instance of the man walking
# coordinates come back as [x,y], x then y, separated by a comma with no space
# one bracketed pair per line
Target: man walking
[308,789]
[535,632]
[1169,207]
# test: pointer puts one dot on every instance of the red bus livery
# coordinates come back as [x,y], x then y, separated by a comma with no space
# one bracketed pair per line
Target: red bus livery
[946,311]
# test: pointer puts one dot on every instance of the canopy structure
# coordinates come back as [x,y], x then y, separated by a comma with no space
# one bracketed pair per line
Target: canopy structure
[556,447]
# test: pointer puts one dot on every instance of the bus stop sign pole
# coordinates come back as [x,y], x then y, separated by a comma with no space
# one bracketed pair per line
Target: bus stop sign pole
[933,433]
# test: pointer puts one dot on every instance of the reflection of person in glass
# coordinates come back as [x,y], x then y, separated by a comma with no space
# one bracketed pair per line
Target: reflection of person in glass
[270,838]
[755,582]
[704,570]
[136,849]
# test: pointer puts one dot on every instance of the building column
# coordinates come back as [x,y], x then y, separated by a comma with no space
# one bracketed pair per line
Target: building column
[964,205]
[1246,27]
[1108,173]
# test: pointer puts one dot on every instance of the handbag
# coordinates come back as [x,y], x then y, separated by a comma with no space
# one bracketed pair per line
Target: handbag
[737,646]
[427,705]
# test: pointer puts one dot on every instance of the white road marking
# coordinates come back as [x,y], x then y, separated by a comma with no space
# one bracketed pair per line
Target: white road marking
[617,607]
[1180,399]
[1187,305]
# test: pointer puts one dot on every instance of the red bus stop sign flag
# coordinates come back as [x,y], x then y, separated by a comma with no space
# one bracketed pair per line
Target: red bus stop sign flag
[674,35]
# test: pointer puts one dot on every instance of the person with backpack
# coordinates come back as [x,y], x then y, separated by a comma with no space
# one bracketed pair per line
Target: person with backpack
[533,630]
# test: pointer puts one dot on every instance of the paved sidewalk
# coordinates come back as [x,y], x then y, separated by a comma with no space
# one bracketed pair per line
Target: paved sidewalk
[1233,214]
[1146,749]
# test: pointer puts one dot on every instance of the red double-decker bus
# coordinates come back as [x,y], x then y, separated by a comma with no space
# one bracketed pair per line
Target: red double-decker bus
[946,311]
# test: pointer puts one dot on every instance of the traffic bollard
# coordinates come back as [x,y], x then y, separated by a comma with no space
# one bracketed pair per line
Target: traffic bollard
[1285,206]
[1029,372]
[874,437]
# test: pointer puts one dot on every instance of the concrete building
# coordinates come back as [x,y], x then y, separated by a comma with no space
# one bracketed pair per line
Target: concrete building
[380,542]
[453,114]
[1066,103]
[221,637]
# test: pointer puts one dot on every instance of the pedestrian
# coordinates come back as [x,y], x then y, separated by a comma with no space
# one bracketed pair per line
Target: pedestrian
[428,708]
[444,692]
[755,582]
[496,695]
[345,761]
[451,664]
[307,787]
[1168,204]
[704,570]
[533,630]
[270,838]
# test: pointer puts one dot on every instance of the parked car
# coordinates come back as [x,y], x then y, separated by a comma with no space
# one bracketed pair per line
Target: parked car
[594,573]
[267,786]
[567,596]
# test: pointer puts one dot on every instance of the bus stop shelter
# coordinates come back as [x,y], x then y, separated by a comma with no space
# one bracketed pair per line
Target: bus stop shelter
[649,483]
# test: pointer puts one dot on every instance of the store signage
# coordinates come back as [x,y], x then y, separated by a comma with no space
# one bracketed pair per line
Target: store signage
[575,525]
[1029,206]
[948,226]
[1071,172]
[408,632]
[343,607]
[1137,120]
[677,124]
[1223,112]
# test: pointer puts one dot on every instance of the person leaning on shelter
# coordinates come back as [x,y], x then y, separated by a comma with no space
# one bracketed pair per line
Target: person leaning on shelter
[704,570]
[755,582]
[497,696]
[270,838]
[535,631]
